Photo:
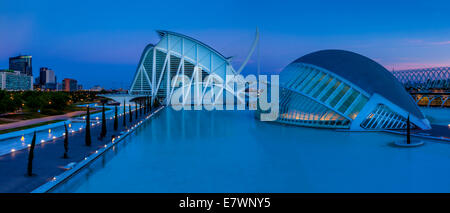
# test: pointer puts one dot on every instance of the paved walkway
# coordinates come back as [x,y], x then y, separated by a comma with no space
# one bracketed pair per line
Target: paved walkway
[48,161]
[40,120]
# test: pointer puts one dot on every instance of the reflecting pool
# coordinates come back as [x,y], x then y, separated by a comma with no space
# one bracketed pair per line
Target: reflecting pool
[230,151]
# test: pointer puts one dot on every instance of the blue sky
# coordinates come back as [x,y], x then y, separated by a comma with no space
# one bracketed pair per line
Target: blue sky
[100,42]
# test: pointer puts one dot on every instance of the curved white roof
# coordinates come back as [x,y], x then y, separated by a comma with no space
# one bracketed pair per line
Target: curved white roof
[364,73]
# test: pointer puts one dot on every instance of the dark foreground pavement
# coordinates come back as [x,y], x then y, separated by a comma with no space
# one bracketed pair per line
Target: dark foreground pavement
[48,161]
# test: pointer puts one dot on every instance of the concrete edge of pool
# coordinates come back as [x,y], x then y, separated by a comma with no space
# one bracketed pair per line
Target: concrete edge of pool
[66,175]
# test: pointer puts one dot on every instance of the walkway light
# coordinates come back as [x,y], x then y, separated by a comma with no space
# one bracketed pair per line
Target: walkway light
[13,150]
[22,138]
[42,141]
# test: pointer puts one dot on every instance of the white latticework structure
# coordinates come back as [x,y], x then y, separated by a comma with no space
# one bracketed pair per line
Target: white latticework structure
[176,54]
[424,79]
[342,89]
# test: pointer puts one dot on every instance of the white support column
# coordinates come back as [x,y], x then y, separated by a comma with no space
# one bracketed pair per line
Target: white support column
[160,77]
[182,68]
[147,77]
[168,71]
[197,68]
[153,75]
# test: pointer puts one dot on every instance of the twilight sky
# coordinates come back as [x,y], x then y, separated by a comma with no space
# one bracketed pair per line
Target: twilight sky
[100,42]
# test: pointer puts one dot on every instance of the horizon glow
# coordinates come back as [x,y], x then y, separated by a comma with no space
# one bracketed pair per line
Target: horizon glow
[99,43]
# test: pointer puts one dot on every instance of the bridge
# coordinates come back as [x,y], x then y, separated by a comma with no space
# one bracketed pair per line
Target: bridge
[425,79]
[123,97]
[429,86]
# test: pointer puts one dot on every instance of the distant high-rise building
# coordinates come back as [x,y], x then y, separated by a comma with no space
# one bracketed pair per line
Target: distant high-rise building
[22,63]
[79,87]
[15,81]
[70,85]
[46,76]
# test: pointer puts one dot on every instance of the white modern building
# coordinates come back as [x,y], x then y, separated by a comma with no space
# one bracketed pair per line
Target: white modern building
[15,80]
[342,89]
[46,76]
[175,54]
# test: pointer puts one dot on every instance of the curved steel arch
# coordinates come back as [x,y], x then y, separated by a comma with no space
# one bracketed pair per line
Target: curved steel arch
[428,78]
[177,54]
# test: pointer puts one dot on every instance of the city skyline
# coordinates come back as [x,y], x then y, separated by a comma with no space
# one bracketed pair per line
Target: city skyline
[98,43]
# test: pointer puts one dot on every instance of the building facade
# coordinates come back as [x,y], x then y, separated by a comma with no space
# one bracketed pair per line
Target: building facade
[15,81]
[69,85]
[46,76]
[22,63]
[47,79]
[342,89]
[175,54]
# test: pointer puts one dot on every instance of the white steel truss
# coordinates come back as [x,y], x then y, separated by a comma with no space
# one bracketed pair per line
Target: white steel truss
[429,78]
[173,55]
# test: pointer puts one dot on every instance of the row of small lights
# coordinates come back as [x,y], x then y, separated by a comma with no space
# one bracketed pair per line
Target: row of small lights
[114,138]
[112,117]
[22,139]
[96,152]
[54,137]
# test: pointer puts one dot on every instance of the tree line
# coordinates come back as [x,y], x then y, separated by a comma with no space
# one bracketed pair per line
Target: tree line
[45,102]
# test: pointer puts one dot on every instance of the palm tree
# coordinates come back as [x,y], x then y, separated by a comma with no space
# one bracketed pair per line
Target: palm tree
[87,138]
[103,132]
[116,122]
[66,142]
[31,155]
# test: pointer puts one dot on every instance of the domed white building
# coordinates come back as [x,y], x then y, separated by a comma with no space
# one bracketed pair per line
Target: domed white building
[342,89]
